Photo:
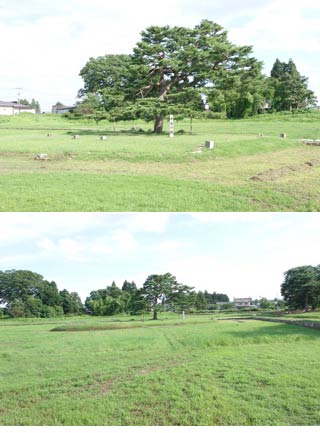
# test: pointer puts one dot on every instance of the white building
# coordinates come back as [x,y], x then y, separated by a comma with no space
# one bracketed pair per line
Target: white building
[61,109]
[242,302]
[13,108]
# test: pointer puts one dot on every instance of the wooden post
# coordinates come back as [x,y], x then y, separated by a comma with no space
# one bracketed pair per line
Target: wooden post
[190,124]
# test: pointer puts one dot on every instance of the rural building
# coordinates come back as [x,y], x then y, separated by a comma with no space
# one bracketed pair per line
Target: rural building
[13,108]
[61,109]
[242,302]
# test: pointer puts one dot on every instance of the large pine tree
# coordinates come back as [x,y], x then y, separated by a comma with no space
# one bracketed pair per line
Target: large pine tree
[168,72]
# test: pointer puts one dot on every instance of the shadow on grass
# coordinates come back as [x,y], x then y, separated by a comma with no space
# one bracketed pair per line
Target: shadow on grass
[127,132]
[275,330]
[100,132]
[112,327]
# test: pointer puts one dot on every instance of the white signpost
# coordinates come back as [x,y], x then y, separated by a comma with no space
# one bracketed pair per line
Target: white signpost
[171,126]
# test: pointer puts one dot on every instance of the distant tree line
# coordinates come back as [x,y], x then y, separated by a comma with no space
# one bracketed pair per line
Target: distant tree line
[187,72]
[25,293]
[33,104]
[158,293]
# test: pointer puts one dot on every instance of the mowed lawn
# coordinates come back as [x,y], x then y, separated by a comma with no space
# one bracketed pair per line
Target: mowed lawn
[250,169]
[200,371]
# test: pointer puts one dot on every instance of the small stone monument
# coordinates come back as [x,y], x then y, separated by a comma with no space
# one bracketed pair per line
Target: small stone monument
[41,156]
[312,142]
[103,137]
[283,135]
[75,137]
[209,144]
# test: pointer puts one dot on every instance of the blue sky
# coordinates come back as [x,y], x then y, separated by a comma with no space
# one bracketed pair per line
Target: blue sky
[47,43]
[241,254]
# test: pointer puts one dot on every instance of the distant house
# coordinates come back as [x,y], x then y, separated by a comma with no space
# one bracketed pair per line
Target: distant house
[13,108]
[242,302]
[62,109]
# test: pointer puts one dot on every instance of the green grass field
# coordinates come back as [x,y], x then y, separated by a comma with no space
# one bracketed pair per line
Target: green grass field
[135,170]
[117,371]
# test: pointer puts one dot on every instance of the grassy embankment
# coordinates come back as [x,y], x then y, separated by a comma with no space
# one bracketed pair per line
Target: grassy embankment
[201,371]
[138,171]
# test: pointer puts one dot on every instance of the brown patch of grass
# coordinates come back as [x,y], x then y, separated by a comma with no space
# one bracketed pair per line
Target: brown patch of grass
[273,174]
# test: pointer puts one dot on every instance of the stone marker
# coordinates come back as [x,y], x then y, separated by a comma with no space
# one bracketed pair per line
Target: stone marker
[283,135]
[103,137]
[312,142]
[41,156]
[49,135]
[75,136]
[210,144]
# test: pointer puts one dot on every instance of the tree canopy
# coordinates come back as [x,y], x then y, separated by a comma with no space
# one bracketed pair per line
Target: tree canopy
[289,89]
[33,104]
[28,294]
[170,70]
[301,287]
[161,289]
[178,70]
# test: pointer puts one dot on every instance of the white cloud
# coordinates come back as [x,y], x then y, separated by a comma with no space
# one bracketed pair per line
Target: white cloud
[170,246]
[46,244]
[28,226]
[101,247]
[78,236]
[234,278]
[282,25]
[148,222]
[124,241]
[14,261]
[67,249]
[70,248]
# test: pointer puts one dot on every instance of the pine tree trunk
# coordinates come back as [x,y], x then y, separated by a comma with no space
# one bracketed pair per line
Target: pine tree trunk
[306,301]
[158,125]
[155,315]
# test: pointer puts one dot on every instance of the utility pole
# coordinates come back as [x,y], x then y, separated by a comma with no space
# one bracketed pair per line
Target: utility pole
[18,89]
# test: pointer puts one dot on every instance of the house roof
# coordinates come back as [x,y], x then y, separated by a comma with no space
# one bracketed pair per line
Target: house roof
[63,107]
[14,104]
